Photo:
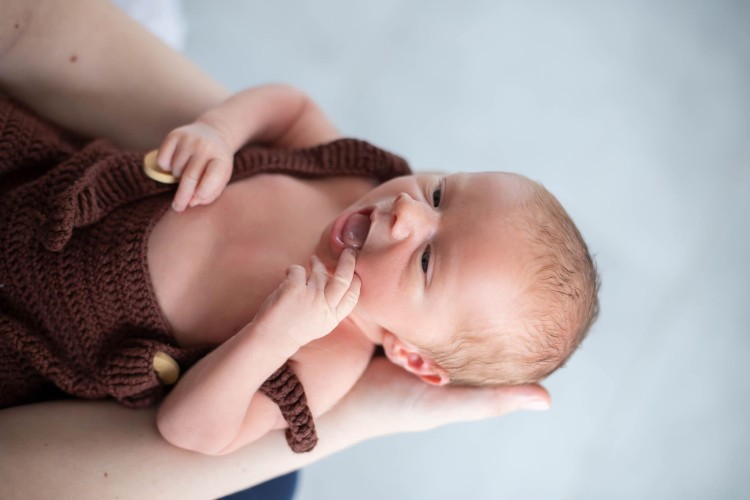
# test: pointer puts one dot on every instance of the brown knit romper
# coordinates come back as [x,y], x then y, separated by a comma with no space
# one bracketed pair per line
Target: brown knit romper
[78,313]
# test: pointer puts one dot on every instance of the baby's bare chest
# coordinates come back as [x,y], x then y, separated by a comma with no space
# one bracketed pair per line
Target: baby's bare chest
[212,267]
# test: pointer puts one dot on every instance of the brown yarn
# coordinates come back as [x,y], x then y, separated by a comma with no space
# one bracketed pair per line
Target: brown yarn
[285,389]
[78,314]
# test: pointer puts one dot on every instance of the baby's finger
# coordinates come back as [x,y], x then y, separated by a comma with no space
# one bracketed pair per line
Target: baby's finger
[188,183]
[206,201]
[318,274]
[213,180]
[342,277]
[350,299]
[181,158]
[166,151]
[296,275]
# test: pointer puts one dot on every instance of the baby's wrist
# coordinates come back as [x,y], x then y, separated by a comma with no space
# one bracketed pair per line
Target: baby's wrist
[282,343]
[215,121]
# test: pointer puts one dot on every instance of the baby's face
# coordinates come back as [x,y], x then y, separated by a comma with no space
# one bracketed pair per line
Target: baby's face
[438,254]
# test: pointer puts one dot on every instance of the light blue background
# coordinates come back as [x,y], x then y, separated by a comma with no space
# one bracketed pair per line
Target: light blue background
[636,114]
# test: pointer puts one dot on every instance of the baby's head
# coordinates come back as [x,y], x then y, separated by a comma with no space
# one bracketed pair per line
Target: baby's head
[472,278]
[535,321]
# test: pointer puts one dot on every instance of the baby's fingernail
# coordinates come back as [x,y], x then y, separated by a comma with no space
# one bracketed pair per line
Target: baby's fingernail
[535,405]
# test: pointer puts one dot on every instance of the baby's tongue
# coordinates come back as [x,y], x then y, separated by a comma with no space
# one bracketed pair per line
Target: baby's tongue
[355,230]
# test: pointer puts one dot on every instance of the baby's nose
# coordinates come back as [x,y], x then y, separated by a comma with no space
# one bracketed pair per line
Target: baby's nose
[410,218]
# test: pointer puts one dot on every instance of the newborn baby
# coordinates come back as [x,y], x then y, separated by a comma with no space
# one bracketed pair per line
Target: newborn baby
[463,279]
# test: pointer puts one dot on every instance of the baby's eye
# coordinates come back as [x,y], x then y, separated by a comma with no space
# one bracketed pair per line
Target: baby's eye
[425,259]
[436,196]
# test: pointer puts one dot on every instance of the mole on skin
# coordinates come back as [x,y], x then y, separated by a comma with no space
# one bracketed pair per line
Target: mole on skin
[73,58]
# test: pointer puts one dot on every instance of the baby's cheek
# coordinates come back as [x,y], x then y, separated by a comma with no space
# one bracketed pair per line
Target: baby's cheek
[383,304]
[371,291]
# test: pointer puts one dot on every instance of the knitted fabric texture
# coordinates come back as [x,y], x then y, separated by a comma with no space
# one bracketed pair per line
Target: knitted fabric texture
[78,313]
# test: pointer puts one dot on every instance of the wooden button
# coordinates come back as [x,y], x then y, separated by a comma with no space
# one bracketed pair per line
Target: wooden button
[166,368]
[151,169]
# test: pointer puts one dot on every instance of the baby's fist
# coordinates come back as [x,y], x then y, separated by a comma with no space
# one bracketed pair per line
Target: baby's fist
[202,159]
[307,306]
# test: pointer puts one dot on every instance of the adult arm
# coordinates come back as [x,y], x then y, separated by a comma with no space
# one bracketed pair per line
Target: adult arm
[87,66]
[90,68]
[100,450]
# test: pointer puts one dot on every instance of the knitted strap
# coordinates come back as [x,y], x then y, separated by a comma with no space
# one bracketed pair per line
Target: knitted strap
[285,389]
[98,179]
[340,157]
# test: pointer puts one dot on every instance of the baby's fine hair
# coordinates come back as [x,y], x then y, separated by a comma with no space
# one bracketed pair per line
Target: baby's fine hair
[556,307]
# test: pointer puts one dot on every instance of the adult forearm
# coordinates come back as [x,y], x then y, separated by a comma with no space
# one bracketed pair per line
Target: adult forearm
[87,66]
[98,450]
[86,449]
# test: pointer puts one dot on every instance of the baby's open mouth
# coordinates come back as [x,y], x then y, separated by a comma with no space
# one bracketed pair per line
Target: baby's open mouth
[356,229]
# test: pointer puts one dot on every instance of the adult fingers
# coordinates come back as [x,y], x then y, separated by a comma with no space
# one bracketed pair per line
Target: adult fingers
[399,402]
[462,404]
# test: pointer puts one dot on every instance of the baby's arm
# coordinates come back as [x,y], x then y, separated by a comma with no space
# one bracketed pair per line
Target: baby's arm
[327,367]
[201,153]
[208,410]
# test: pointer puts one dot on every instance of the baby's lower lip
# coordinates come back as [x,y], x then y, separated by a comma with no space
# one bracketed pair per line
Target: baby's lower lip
[335,237]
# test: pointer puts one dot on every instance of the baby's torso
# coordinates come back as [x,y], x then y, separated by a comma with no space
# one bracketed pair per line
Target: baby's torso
[212,267]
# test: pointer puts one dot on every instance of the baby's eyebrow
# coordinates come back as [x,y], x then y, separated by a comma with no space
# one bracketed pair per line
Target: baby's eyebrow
[447,190]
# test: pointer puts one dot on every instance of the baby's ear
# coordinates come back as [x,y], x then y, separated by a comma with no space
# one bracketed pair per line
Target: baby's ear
[412,360]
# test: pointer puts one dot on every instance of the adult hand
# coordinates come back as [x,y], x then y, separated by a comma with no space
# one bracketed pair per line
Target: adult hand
[388,400]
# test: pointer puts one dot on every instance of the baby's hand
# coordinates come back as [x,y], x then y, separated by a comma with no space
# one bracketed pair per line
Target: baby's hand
[304,308]
[199,155]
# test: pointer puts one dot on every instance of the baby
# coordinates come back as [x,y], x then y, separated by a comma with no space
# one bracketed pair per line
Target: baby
[463,279]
